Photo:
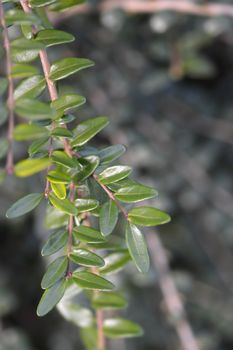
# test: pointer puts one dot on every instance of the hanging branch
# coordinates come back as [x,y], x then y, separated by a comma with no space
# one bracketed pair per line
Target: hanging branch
[10,99]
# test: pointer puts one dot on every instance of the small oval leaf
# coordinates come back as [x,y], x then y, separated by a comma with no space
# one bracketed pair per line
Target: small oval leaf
[148,216]
[56,270]
[89,280]
[24,205]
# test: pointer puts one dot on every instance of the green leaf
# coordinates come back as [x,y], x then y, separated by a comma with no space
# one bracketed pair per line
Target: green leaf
[62,5]
[3,85]
[18,17]
[96,191]
[24,205]
[23,71]
[89,164]
[24,132]
[64,205]
[55,218]
[87,234]
[24,50]
[86,258]
[30,167]
[37,145]
[56,270]
[115,262]
[58,176]
[89,337]
[51,297]
[90,280]
[111,153]
[68,66]
[114,174]
[60,157]
[108,217]
[108,301]
[59,190]
[121,328]
[40,3]
[33,109]
[3,147]
[135,193]
[66,102]
[148,216]
[137,247]
[22,43]
[61,132]
[26,30]
[55,242]
[30,88]
[86,204]
[51,37]
[88,129]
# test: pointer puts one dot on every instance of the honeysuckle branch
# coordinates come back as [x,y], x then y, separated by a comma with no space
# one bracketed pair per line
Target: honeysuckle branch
[10,98]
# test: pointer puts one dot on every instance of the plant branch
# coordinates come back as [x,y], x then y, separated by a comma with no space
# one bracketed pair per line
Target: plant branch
[152,6]
[10,99]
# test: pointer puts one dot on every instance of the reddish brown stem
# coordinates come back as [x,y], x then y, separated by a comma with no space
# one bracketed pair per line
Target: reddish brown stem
[10,99]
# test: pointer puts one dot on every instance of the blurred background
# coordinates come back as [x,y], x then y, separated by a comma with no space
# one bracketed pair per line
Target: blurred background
[165,79]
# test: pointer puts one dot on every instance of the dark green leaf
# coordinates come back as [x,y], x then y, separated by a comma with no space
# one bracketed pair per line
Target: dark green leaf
[121,328]
[137,247]
[115,262]
[25,132]
[135,193]
[66,102]
[30,167]
[86,204]
[51,297]
[56,270]
[61,132]
[88,234]
[68,66]
[64,205]
[111,153]
[89,164]
[86,258]
[3,147]
[108,217]
[55,242]
[23,71]
[60,157]
[24,205]
[30,88]
[108,300]
[51,37]
[88,129]
[148,216]
[90,280]
[37,145]
[33,109]
[114,174]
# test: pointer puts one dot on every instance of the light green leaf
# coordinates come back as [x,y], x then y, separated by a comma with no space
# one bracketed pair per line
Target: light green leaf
[24,132]
[85,257]
[30,88]
[148,216]
[62,5]
[88,280]
[33,109]
[59,190]
[26,30]
[115,262]
[88,129]
[66,102]
[108,217]
[51,297]
[64,205]
[30,167]
[60,157]
[108,301]
[40,3]
[61,132]
[137,247]
[86,204]
[58,176]
[55,242]
[24,205]
[56,270]
[114,174]
[55,218]
[23,71]
[89,164]
[111,153]
[87,234]
[135,193]
[121,328]
[51,37]
[22,43]
[68,66]
[17,17]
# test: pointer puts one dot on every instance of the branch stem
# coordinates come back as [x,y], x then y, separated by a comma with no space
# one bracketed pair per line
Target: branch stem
[10,98]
